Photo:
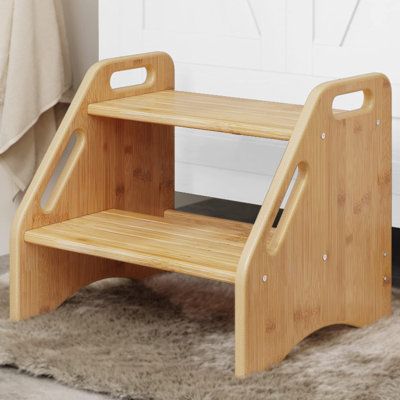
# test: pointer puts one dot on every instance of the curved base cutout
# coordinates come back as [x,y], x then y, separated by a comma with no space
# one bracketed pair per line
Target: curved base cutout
[53,276]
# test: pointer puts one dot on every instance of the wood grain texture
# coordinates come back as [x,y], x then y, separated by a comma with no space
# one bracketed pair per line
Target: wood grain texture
[327,262]
[122,164]
[203,111]
[341,207]
[200,246]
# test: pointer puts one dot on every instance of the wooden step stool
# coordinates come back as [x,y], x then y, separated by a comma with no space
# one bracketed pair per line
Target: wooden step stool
[111,212]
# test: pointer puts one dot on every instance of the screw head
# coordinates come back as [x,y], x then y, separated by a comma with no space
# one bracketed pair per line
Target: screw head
[385,278]
[325,257]
[264,278]
[323,135]
[378,122]
[384,254]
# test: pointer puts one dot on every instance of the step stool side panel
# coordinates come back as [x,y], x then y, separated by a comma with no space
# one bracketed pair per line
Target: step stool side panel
[116,164]
[329,261]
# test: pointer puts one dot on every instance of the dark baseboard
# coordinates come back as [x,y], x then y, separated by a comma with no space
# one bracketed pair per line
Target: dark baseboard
[248,212]
[396,257]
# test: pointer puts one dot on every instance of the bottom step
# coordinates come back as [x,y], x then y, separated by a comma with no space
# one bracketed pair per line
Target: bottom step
[181,242]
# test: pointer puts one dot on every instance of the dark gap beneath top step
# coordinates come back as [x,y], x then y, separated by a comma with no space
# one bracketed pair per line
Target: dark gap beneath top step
[227,209]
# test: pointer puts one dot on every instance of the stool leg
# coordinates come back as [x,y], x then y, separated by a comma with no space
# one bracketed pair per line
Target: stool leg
[43,278]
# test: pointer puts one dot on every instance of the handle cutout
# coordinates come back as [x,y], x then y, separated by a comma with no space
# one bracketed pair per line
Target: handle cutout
[349,101]
[128,78]
[353,103]
[61,172]
[287,206]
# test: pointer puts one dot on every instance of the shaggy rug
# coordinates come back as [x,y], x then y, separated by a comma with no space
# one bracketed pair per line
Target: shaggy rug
[171,338]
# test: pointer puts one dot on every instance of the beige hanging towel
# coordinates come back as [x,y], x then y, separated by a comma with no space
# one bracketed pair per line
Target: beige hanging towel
[35,73]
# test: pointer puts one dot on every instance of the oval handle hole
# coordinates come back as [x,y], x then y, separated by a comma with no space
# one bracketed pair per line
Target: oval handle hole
[61,172]
[349,102]
[128,77]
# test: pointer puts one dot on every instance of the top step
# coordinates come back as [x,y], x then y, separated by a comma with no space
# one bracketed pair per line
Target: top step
[203,111]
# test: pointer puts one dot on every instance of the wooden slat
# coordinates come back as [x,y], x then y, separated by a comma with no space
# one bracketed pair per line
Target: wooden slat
[212,223]
[180,242]
[140,222]
[204,111]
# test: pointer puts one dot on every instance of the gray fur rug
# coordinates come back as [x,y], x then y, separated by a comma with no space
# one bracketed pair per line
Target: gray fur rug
[172,339]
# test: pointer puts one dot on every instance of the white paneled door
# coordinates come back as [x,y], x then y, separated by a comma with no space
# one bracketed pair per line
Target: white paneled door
[264,49]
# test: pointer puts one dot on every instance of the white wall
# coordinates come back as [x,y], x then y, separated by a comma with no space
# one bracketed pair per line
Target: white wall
[82,29]
[81,18]
[267,49]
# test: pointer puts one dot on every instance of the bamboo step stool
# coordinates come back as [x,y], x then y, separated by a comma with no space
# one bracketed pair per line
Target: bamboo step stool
[111,212]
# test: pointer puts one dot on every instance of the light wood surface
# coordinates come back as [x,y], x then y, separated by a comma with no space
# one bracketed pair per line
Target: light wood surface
[327,262]
[203,111]
[120,164]
[341,207]
[199,246]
